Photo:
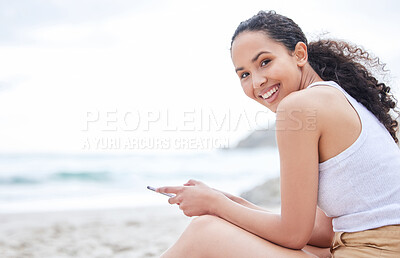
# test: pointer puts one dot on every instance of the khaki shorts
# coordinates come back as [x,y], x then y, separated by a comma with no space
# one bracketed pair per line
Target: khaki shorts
[378,242]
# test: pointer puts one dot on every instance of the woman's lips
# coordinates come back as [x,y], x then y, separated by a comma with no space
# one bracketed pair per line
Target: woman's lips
[271,94]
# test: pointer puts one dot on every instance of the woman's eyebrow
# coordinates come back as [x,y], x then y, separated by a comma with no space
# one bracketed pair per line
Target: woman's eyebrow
[259,54]
[254,59]
[239,69]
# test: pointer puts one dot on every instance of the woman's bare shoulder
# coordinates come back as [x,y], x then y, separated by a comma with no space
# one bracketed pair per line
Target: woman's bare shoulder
[314,107]
[319,97]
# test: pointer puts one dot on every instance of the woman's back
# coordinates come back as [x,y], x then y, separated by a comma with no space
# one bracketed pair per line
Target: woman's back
[341,124]
[369,168]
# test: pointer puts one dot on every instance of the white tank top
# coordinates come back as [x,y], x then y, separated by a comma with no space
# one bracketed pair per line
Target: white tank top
[360,187]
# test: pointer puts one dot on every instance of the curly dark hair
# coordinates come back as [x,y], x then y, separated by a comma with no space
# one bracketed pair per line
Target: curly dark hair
[333,60]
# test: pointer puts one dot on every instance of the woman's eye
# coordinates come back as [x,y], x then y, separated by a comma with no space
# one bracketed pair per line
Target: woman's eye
[244,75]
[265,62]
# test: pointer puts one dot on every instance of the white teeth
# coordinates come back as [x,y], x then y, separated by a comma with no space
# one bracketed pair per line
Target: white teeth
[269,93]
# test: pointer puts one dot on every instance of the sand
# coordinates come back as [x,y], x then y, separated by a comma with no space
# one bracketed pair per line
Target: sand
[135,232]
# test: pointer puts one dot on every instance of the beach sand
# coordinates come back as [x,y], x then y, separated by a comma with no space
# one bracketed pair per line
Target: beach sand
[134,232]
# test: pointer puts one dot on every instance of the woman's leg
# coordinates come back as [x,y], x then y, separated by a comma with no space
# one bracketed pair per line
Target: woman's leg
[210,236]
[318,251]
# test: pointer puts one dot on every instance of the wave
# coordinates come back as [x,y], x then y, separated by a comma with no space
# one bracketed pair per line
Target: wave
[61,176]
[18,180]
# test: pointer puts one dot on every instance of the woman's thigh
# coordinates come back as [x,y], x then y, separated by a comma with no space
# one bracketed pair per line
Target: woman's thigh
[210,236]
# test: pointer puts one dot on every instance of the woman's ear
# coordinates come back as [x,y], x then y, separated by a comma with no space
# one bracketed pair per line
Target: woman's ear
[300,52]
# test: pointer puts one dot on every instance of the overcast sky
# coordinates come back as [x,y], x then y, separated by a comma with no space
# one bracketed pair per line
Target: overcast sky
[77,70]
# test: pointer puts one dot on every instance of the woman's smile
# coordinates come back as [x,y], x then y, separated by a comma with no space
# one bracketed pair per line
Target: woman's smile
[270,93]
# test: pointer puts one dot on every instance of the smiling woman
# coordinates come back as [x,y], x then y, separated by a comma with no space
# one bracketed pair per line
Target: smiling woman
[340,180]
[248,50]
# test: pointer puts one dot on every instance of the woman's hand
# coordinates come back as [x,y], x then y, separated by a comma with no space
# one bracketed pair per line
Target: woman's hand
[234,198]
[194,198]
[193,182]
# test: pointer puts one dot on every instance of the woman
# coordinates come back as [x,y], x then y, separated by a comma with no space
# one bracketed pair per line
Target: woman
[337,146]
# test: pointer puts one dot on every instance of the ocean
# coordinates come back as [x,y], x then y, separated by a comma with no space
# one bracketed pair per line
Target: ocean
[35,182]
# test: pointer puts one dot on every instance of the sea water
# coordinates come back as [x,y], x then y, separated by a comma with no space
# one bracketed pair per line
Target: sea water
[54,182]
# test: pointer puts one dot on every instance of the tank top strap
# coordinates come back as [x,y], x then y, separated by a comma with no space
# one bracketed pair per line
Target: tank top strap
[328,83]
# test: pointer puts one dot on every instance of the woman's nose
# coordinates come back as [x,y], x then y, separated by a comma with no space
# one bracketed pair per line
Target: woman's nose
[258,80]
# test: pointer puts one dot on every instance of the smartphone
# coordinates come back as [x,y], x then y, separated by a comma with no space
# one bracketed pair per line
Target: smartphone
[154,189]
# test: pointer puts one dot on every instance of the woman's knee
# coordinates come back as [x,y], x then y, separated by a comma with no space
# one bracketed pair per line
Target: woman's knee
[205,220]
[195,239]
[203,225]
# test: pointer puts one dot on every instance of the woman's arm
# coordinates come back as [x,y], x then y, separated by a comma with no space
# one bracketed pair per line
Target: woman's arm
[322,234]
[243,202]
[298,149]
[232,197]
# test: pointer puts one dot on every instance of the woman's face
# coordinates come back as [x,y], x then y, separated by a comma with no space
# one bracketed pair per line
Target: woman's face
[266,69]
